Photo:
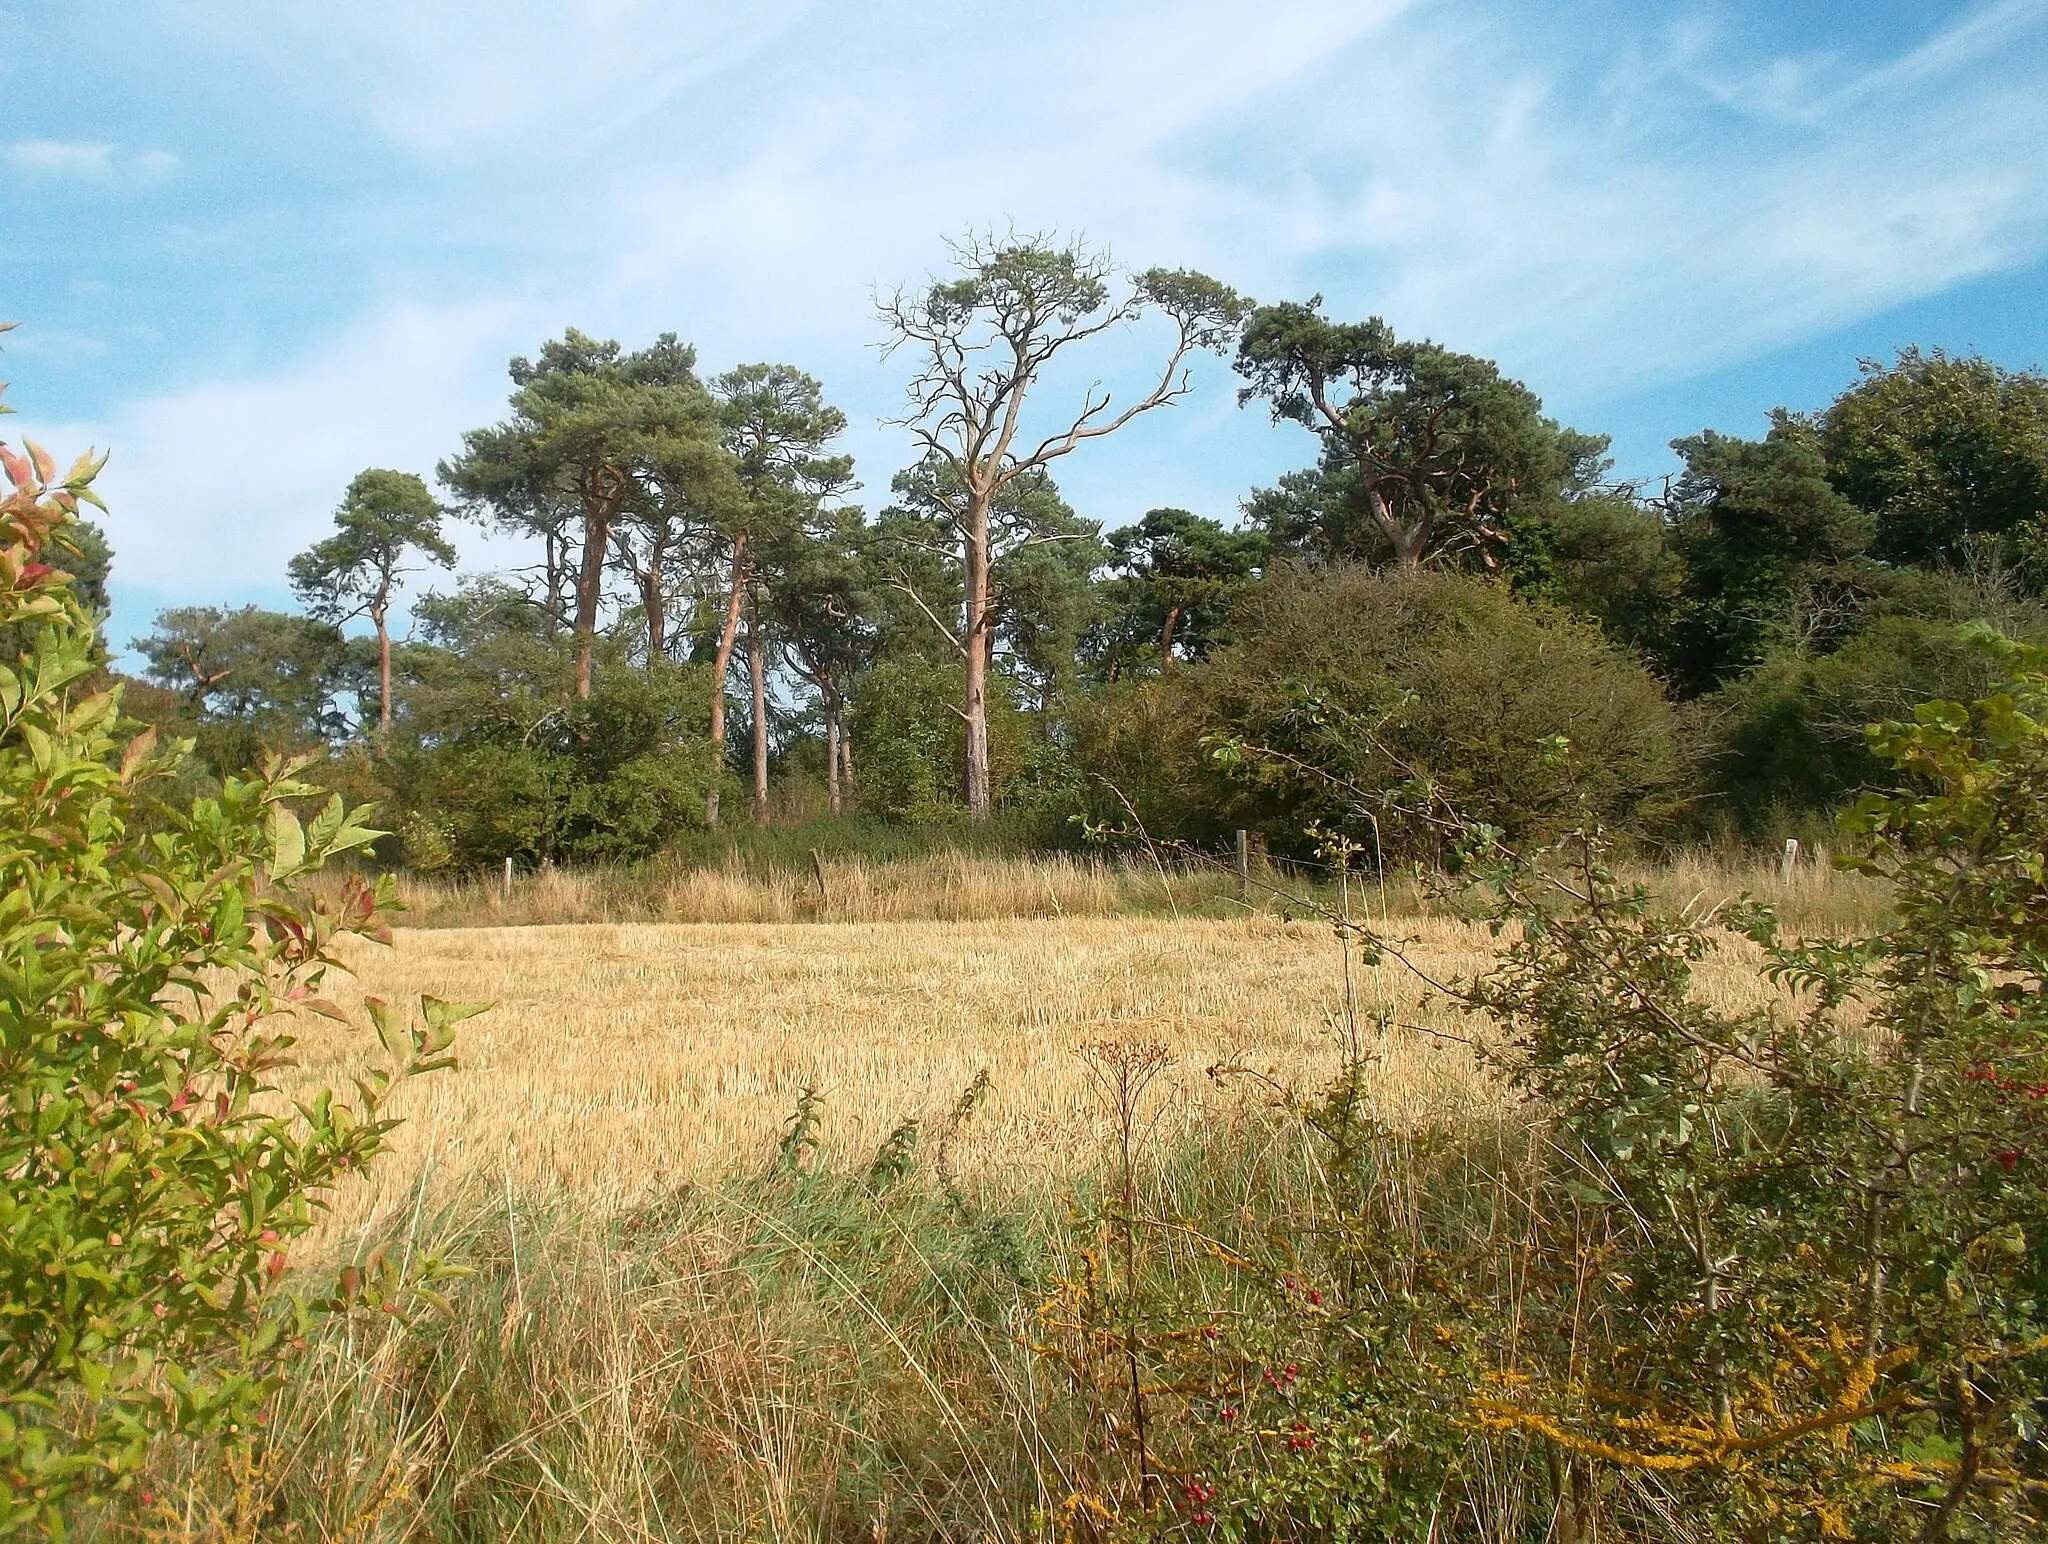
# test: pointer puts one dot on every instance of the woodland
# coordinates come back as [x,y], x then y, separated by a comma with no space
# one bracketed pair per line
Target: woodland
[1507,1155]
[712,629]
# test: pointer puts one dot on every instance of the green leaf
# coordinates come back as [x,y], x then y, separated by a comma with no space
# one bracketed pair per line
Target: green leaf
[327,825]
[391,1029]
[287,843]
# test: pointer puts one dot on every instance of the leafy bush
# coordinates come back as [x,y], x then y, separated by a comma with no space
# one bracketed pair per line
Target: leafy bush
[1823,1249]
[493,758]
[910,747]
[153,1177]
[1779,1272]
[1789,739]
[1340,688]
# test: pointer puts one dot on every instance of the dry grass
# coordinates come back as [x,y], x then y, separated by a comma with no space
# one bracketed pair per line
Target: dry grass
[952,886]
[1817,899]
[621,1061]
[662,1341]
[944,887]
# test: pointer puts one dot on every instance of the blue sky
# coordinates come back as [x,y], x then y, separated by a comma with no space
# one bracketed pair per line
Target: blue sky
[256,247]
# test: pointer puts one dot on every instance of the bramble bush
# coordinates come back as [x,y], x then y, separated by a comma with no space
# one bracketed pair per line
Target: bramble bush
[152,1176]
[1744,1274]
[1823,1235]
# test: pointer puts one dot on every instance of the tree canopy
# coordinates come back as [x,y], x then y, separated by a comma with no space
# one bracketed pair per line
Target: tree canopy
[1938,450]
[980,343]
[384,518]
[982,643]
[593,429]
[1423,449]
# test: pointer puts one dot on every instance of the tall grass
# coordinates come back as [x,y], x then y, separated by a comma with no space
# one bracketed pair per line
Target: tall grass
[769,882]
[948,886]
[796,1354]
[692,1317]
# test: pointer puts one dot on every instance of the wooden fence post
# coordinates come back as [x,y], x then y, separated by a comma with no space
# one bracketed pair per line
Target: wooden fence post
[1789,860]
[1244,865]
[818,872]
[508,879]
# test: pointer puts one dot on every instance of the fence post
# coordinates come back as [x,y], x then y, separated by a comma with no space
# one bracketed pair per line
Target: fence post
[818,871]
[508,878]
[1244,865]
[1789,860]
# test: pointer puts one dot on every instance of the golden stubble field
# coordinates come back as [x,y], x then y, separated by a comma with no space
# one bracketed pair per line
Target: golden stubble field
[623,1060]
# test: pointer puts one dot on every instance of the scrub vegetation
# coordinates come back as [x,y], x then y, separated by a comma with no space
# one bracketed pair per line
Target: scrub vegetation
[1475,1003]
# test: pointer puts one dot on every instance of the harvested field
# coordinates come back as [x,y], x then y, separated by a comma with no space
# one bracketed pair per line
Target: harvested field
[624,1060]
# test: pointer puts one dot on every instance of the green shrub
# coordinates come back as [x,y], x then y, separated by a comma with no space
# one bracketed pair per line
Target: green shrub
[151,1180]
[1788,740]
[909,745]
[1340,688]
[910,748]
[1778,1271]
[1823,1254]
[496,759]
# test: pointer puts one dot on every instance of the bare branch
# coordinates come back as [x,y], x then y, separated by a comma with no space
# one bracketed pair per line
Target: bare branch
[1167,391]
[900,582]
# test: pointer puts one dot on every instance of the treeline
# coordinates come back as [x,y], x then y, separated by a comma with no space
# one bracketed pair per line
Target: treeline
[1453,593]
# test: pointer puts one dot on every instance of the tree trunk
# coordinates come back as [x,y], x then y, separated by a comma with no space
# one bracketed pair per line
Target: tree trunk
[845,756]
[757,678]
[1408,541]
[976,638]
[723,661]
[558,567]
[832,753]
[651,603]
[1166,638]
[597,535]
[383,671]
[647,580]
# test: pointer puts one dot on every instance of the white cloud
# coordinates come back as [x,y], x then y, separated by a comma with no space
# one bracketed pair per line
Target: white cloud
[477,77]
[153,165]
[211,489]
[60,343]
[61,158]
[81,161]
[1418,160]
[1643,232]
[1601,200]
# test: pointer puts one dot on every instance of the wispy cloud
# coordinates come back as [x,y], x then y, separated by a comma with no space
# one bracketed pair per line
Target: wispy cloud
[1636,232]
[1603,214]
[86,161]
[1603,196]
[213,488]
[152,165]
[463,78]
[55,343]
[61,158]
